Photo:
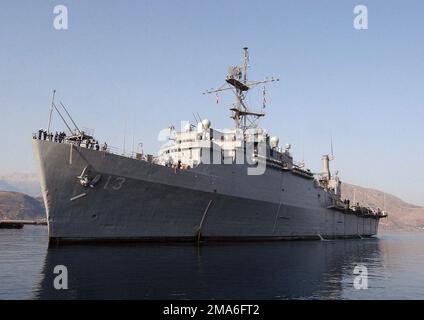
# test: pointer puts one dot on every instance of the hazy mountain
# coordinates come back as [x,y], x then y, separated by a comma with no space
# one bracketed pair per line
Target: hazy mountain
[27,183]
[402,215]
[15,205]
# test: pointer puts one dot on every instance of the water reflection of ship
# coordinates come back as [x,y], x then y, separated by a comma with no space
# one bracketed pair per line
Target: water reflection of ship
[215,271]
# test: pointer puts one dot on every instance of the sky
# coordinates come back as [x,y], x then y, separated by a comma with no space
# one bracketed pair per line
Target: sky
[128,69]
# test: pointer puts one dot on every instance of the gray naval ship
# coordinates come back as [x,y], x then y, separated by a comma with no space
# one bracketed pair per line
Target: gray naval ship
[204,184]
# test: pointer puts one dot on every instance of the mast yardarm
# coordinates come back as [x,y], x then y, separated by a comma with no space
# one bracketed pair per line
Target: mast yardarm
[238,82]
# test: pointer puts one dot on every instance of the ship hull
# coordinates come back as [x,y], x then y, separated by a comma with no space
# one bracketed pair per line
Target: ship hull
[139,201]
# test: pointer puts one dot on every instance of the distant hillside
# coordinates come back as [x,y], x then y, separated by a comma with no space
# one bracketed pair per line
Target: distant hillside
[402,215]
[27,183]
[15,205]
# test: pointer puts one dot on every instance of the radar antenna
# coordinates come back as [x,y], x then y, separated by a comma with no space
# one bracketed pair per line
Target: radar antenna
[238,82]
[331,149]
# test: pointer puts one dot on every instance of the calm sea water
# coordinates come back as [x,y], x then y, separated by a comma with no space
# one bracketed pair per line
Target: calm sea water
[273,270]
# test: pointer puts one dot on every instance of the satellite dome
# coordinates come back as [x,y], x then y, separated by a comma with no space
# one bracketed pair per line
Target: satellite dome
[274,142]
[206,123]
[288,146]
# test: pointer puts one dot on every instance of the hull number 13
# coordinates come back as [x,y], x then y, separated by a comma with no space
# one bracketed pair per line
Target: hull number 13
[114,183]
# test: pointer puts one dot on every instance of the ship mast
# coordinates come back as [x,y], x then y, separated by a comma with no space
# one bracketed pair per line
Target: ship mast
[237,81]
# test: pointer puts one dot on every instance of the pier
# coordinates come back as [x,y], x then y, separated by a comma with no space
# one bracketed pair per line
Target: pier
[19,224]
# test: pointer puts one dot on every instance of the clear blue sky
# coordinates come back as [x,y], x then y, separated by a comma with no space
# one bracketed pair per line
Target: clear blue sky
[146,63]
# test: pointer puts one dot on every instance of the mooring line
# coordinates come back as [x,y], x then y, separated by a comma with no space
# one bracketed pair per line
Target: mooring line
[199,231]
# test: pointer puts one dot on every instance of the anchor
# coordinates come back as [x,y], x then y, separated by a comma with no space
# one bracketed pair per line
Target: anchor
[86,181]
